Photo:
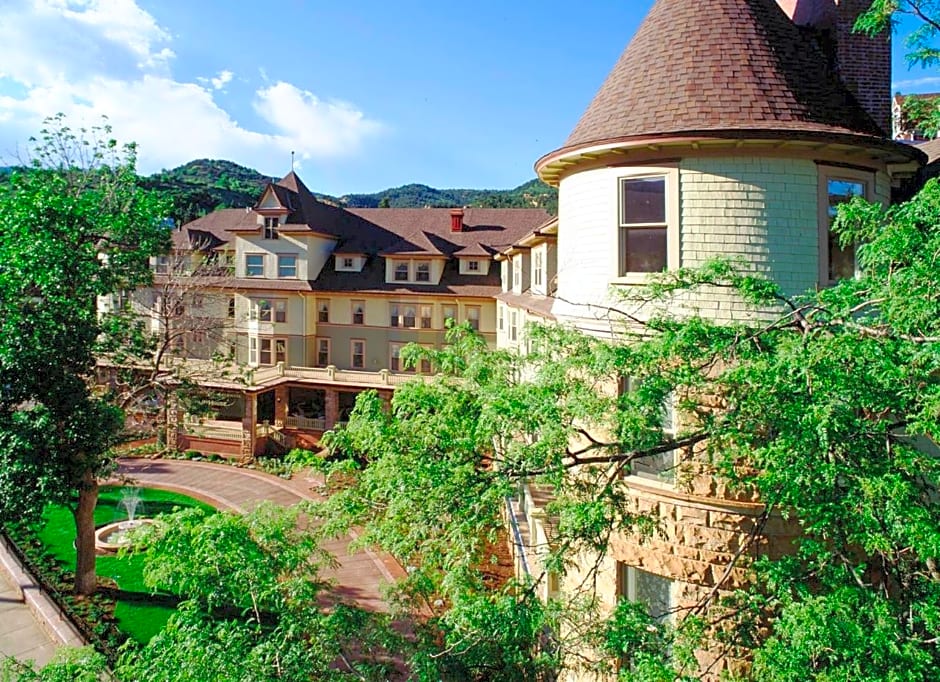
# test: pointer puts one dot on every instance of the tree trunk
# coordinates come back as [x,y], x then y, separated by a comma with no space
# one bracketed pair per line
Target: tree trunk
[86,580]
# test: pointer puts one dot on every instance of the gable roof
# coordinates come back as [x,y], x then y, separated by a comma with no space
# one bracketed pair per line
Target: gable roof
[721,67]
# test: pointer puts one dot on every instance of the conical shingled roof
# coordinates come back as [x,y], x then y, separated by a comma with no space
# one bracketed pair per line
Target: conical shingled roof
[720,65]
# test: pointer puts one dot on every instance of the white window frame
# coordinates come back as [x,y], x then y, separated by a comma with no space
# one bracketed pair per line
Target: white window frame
[826,174]
[474,320]
[248,268]
[359,305]
[513,325]
[361,364]
[426,316]
[422,270]
[281,257]
[323,311]
[537,268]
[398,316]
[323,342]
[673,241]
[271,225]
[397,271]
[628,578]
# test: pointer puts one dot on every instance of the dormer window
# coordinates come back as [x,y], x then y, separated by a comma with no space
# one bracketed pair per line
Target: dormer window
[348,263]
[423,271]
[271,223]
[473,266]
[401,272]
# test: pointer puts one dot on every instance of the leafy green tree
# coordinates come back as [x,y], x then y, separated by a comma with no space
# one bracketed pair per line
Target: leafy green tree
[73,226]
[256,608]
[829,411]
[68,665]
[922,43]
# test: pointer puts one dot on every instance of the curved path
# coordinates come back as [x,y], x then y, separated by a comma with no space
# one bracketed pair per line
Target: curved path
[358,575]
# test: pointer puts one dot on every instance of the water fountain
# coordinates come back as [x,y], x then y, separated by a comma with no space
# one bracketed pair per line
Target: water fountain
[113,536]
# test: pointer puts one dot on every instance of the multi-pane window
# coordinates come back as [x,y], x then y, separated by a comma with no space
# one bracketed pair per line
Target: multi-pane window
[841,259]
[500,314]
[231,308]
[643,226]
[272,351]
[349,263]
[449,312]
[263,311]
[649,589]
[537,269]
[357,354]
[662,466]
[162,265]
[402,315]
[422,271]
[270,311]
[323,311]
[253,350]
[473,316]
[286,265]
[513,325]
[426,316]
[323,352]
[358,312]
[394,357]
[401,272]
[254,265]
[473,266]
[271,224]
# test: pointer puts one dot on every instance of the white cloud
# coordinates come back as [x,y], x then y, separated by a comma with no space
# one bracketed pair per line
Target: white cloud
[222,79]
[916,84]
[88,58]
[316,128]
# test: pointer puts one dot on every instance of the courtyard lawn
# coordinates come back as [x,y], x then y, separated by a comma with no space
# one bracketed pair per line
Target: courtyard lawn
[139,614]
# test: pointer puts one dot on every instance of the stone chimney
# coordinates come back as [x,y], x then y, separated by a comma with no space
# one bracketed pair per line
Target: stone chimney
[863,63]
[456,220]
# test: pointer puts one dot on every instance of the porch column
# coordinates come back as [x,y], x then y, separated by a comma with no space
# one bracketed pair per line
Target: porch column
[249,427]
[281,404]
[331,405]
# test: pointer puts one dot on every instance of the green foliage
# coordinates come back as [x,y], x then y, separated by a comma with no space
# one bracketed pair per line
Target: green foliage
[68,665]
[73,226]
[251,612]
[884,15]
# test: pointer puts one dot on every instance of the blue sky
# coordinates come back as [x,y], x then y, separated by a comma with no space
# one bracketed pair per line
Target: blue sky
[369,94]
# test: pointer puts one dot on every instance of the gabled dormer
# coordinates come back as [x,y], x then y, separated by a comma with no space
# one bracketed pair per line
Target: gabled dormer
[272,209]
[416,259]
[349,262]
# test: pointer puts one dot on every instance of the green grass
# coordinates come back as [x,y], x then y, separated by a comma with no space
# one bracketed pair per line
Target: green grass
[137,612]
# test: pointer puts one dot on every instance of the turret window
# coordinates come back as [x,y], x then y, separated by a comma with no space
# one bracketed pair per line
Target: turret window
[837,186]
[643,224]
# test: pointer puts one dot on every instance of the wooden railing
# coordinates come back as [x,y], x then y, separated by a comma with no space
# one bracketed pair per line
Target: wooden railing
[331,375]
[315,424]
[213,431]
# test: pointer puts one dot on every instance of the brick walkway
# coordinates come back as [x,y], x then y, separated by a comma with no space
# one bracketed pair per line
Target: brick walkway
[358,576]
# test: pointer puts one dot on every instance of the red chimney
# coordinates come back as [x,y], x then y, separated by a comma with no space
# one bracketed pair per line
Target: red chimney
[863,63]
[456,220]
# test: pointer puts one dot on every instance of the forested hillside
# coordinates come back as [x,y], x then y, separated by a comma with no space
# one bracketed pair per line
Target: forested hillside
[202,186]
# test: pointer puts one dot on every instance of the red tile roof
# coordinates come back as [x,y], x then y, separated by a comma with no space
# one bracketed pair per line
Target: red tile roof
[722,67]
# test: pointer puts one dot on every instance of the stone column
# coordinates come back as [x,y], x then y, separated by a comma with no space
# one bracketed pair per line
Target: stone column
[281,405]
[249,426]
[173,416]
[331,408]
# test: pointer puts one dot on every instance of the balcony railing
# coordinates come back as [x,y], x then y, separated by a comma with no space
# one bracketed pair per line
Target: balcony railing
[311,424]
[331,375]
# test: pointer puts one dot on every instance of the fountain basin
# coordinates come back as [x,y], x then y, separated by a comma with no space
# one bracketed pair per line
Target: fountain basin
[114,536]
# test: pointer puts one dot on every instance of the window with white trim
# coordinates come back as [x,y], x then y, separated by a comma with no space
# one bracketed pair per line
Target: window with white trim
[423,271]
[394,357]
[653,591]
[402,315]
[449,312]
[537,268]
[252,350]
[426,311]
[323,311]
[323,352]
[357,352]
[358,312]
[473,316]
[837,186]
[500,313]
[271,223]
[513,325]
[254,265]
[402,272]
[287,265]
[271,351]
[162,265]
[473,266]
[643,237]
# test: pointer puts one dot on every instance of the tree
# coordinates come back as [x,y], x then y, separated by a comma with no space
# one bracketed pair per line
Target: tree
[884,15]
[171,341]
[830,411]
[73,226]
[255,608]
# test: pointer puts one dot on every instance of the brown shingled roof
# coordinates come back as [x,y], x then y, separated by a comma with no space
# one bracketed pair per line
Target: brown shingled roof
[720,66]
[932,149]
